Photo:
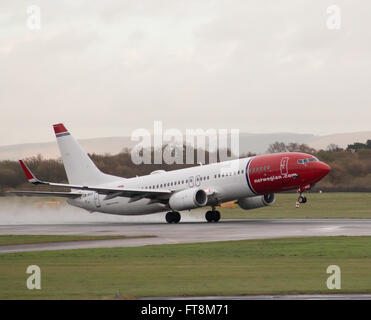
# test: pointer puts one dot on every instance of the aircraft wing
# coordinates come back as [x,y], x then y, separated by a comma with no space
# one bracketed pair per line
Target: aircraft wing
[110,192]
[72,195]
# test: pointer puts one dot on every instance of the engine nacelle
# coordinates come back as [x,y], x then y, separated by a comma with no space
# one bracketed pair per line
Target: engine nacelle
[257,202]
[188,199]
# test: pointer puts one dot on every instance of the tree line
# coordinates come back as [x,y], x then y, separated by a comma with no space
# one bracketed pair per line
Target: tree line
[350,167]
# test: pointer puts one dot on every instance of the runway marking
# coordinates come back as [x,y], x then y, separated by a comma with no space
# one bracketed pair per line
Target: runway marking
[171,240]
[328,229]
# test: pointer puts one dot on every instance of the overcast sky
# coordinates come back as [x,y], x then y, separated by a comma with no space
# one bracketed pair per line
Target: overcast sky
[105,68]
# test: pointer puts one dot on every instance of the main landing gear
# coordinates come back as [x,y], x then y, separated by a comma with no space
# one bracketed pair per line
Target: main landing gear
[172,217]
[212,216]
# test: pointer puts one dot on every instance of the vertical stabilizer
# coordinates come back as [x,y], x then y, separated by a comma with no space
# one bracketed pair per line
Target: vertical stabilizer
[79,167]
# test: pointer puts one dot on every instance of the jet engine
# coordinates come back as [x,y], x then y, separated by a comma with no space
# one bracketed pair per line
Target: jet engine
[257,202]
[188,199]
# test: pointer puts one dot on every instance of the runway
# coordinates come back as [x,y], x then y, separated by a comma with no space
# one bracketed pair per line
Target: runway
[186,232]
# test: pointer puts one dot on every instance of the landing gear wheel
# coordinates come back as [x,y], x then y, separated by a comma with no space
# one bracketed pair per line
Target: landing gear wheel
[173,217]
[209,216]
[212,216]
[216,216]
[302,199]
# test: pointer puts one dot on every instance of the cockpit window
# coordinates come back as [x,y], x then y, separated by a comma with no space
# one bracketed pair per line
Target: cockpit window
[303,161]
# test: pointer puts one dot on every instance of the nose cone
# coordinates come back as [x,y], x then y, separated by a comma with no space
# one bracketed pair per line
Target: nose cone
[323,169]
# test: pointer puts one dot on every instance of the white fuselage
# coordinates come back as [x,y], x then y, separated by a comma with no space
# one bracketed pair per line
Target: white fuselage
[225,181]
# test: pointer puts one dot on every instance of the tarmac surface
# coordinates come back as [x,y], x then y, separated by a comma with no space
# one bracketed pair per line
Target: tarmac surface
[184,232]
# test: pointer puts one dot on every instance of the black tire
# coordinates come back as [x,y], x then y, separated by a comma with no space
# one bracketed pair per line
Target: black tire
[212,216]
[173,217]
[169,217]
[176,217]
[209,216]
[216,216]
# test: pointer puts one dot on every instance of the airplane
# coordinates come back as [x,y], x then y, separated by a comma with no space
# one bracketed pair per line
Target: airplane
[252,182]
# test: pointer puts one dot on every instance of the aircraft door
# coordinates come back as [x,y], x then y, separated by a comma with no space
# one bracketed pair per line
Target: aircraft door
[96,199]
[190,182]
[198,181]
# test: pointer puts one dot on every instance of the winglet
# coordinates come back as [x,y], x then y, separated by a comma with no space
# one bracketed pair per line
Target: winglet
[30,176]
[60,130]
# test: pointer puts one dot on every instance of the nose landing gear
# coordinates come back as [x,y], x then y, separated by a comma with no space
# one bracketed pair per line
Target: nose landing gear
[302,199]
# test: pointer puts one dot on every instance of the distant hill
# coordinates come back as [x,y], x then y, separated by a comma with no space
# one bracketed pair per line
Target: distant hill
[257,143]
[341,139]
[49,150]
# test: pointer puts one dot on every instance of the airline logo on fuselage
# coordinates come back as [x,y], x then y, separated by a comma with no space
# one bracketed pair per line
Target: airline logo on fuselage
[284,166]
